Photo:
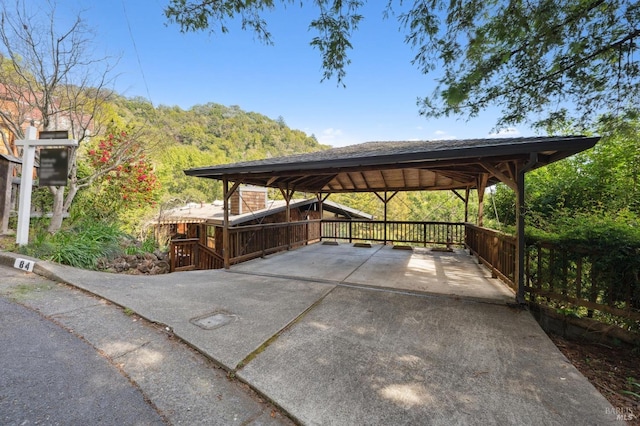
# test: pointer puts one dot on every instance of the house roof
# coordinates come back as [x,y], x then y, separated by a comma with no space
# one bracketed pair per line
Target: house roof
[11,158]
[213,213]
[402,165]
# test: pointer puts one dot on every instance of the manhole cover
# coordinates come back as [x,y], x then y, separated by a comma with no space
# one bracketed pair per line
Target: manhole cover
[214,320]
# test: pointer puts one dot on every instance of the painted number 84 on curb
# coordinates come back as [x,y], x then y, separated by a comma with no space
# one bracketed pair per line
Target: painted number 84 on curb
[24,264]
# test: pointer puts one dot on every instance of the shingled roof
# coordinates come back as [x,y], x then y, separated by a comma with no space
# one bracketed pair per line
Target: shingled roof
[402,165]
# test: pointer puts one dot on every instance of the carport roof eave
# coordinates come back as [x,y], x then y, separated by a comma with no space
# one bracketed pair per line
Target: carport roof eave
[305,164]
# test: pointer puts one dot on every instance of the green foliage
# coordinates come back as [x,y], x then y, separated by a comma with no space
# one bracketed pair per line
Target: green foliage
[418,206]
[79,246]
[335,26]
[124,178]
[604,232]
[585,211]
[440,206]
[605,179]
[526,57]
[214,134]
[637,385]
[608,248]
[172,162]
[166,141]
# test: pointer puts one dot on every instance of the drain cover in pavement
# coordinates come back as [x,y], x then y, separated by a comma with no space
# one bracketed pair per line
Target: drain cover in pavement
[214,320]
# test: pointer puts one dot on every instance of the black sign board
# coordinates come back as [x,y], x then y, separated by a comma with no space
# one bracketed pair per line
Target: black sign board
[54,134]
[54,167]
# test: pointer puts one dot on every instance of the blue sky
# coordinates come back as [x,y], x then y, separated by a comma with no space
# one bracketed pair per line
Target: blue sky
[170,68]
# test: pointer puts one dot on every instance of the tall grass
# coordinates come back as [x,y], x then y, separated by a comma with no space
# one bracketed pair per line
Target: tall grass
[80,246]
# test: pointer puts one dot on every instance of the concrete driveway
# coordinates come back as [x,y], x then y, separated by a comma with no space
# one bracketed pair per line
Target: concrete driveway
[344,335]
[418,271]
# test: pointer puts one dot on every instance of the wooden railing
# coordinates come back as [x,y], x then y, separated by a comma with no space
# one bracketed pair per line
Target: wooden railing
[496,250]
[554,276]
[581,281]
[572,279]
[249,242]
[421,233]
[208,258]
[190,254]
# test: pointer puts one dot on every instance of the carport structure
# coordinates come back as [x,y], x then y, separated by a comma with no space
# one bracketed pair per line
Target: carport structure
[384,168]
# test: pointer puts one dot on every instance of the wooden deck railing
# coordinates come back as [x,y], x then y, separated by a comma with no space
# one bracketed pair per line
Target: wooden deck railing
[579,279]
[494,249]
[249,242]
[421,233]
[568,278]
[189,254]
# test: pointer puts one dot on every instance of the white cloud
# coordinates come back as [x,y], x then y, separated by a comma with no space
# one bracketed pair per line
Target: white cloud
[442,135]
[333,137]
[506,132]
[331,132]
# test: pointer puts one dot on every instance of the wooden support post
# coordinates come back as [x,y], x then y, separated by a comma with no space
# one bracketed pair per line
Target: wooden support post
[385,200]
[520,224]
[321,199]
[465,200]
[225,224]
[288,194]
[519,272]
[226,247]
[321,209]
[466,204]
[482,186]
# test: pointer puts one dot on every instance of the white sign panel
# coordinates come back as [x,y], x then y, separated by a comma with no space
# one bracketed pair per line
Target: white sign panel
[24,264]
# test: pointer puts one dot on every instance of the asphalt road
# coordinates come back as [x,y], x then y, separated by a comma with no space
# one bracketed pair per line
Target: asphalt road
[49,376]
[68,357]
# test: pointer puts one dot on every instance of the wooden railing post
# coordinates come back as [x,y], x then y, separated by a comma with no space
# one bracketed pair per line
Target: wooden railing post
[172,254]
[494,256]
[424,234]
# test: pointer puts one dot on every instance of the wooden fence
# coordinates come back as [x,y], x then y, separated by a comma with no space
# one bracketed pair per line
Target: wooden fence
[583,282]
[571,279]
[496,250]
[189,254]
[249,242]
[418,233]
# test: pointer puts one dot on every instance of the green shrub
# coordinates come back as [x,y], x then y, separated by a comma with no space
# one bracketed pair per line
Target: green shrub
[608,248]
[79,246]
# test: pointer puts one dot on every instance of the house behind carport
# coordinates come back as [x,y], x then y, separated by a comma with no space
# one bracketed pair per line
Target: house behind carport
[250,205]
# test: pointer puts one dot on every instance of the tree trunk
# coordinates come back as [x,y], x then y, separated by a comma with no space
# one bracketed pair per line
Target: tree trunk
[57,211]
[5,208]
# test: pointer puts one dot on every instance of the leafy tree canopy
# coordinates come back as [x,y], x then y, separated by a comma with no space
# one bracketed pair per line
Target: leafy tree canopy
[603,181]
[539,60]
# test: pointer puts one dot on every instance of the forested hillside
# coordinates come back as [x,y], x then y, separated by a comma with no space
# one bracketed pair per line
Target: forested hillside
[204,135]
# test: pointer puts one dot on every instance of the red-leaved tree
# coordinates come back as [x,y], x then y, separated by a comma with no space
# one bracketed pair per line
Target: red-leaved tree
[122,175]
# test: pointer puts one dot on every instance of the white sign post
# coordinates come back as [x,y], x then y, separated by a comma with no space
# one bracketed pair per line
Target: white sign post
[26,183]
